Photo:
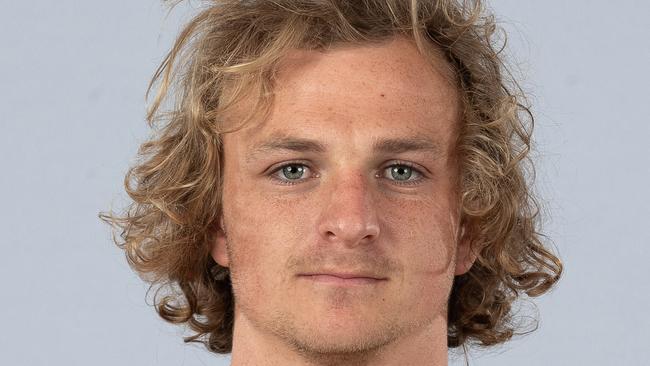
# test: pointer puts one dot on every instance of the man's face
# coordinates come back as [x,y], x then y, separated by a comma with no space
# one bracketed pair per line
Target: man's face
[350,176]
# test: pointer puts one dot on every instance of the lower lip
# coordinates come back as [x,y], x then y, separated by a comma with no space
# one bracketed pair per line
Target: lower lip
[342,281]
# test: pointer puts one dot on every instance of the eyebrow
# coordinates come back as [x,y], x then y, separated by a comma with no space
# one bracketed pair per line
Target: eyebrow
[386,146]
[285,142]
[402,145]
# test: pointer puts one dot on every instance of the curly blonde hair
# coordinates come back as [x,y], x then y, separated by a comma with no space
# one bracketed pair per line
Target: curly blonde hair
[230,50]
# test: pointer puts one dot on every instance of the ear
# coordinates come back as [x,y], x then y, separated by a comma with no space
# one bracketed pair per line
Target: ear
[219,250]
[465,256]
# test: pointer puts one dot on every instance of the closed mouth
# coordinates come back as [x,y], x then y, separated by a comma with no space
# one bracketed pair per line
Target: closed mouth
[343,279]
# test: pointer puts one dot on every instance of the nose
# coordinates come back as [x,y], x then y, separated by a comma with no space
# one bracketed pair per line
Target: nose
[349,215]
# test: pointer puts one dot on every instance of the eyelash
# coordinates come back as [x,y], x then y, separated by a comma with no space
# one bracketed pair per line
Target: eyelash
[418,172]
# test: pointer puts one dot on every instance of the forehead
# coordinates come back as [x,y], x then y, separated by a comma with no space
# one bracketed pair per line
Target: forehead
[395,64]
[361,90]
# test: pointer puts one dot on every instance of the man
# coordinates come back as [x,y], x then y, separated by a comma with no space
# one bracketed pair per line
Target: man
[339,183]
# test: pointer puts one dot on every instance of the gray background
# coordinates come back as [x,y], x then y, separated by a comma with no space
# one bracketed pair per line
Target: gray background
[72,82]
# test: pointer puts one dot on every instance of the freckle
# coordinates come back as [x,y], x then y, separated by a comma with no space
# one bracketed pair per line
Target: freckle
[382,94]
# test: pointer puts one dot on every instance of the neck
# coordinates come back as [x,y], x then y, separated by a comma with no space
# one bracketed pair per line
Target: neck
[253,346]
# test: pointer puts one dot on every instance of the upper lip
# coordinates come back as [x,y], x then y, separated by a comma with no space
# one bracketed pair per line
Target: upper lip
[345,274]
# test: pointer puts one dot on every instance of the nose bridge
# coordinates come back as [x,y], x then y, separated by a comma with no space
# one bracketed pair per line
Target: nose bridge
[349,215]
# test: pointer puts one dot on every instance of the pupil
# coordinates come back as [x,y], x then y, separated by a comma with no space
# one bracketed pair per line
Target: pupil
[293,171]
[401,173]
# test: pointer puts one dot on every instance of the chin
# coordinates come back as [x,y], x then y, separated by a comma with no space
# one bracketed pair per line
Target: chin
[344,331]
[348,340]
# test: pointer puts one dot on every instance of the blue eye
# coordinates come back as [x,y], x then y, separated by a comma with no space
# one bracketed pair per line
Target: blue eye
[293,171]
[403,174]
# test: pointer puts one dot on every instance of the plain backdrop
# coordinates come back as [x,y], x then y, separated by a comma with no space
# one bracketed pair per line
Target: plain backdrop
[72,80]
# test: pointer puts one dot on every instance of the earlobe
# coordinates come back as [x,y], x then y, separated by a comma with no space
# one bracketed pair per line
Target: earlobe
[219,250]
[465,256]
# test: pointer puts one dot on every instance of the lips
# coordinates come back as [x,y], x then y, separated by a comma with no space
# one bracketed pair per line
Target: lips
[344,278]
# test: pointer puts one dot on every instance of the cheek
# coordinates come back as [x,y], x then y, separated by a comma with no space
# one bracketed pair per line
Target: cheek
[261,232]
[424,232]
[420,235]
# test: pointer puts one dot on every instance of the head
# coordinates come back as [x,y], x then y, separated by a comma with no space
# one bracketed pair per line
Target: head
[352,171]
[374,138]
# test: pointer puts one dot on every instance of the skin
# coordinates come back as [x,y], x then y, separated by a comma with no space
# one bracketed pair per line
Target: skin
[340,208]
